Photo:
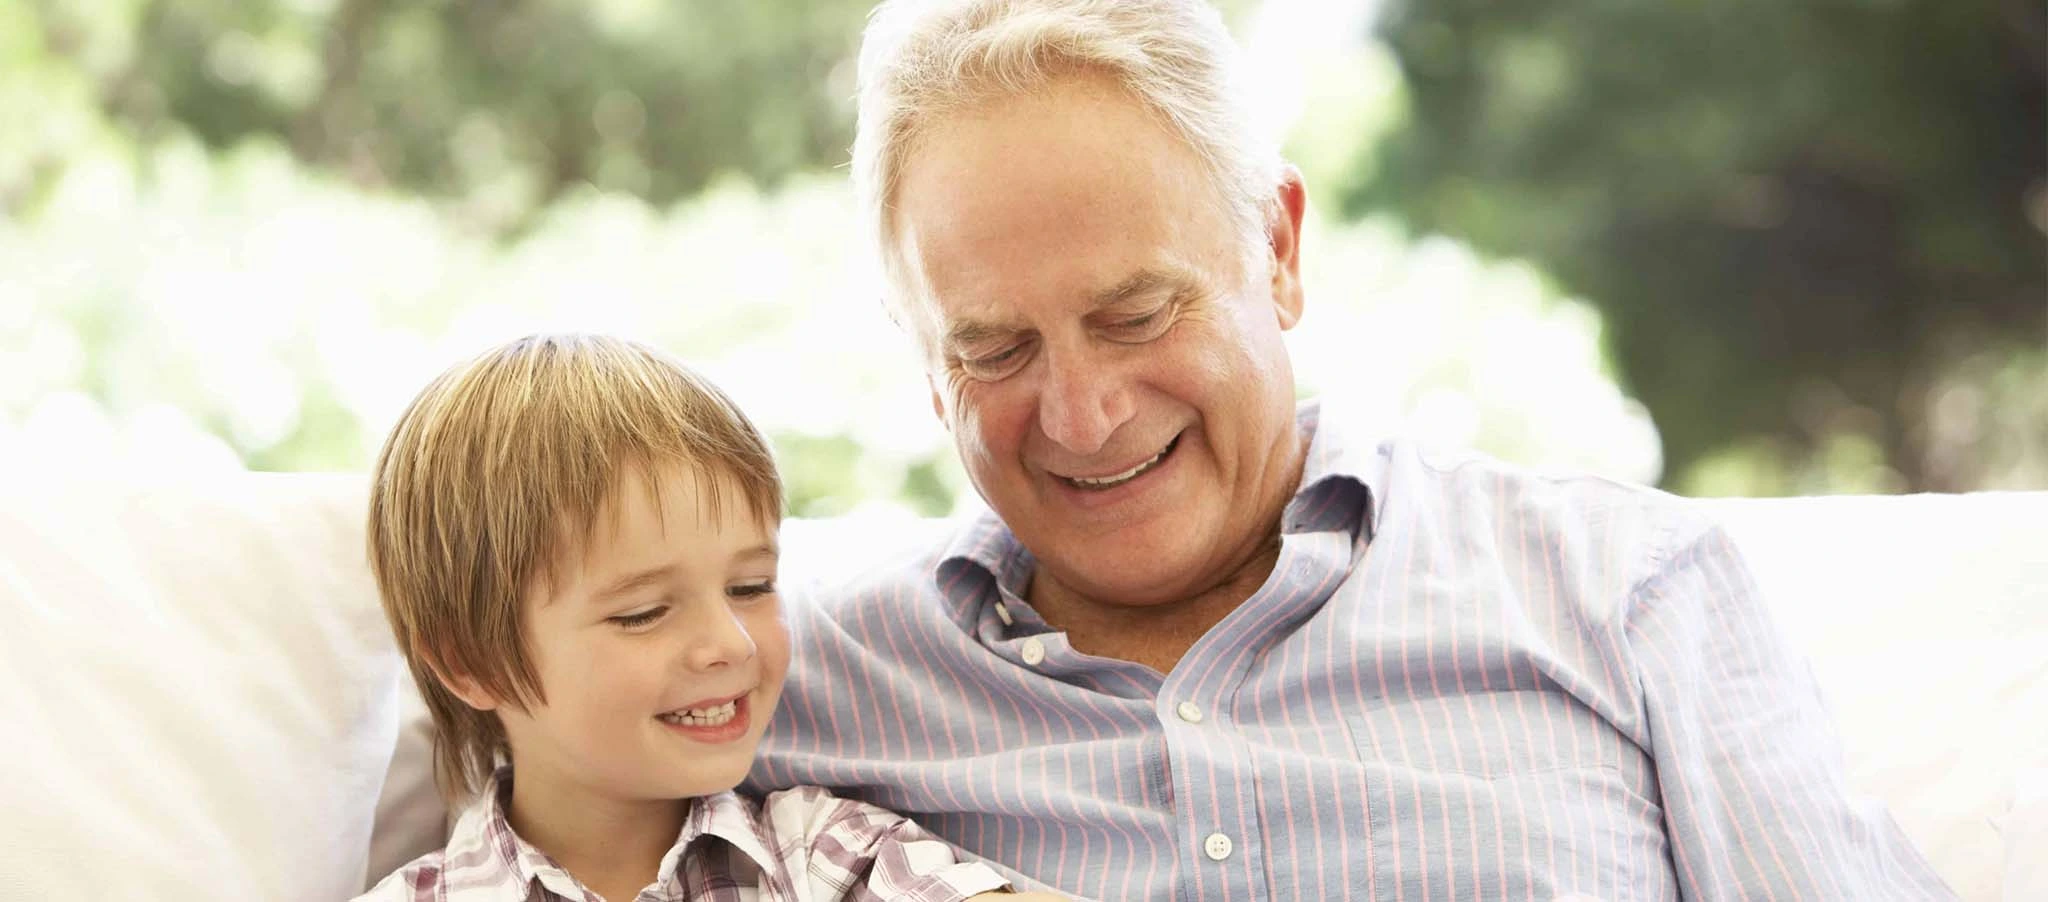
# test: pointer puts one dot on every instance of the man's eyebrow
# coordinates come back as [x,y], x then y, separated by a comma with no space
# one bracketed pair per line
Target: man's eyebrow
[967,333]
[1144,281]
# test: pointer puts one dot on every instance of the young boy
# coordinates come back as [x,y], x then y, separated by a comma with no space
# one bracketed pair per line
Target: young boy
[575,541]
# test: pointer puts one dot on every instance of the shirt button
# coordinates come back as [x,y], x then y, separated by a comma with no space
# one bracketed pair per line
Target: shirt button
[1034,652]
[1217,847]
[1003,611]
[1189,711]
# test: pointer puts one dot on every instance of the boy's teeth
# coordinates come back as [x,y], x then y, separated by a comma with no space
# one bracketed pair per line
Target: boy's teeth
[703,717]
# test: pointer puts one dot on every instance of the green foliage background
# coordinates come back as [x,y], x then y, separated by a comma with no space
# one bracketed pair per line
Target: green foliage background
[1805,223]
[1735,247]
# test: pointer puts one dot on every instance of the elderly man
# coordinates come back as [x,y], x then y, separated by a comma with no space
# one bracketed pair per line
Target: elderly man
[1208,646]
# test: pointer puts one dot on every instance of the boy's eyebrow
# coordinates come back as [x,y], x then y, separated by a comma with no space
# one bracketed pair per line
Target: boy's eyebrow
[631,581]
[764,550]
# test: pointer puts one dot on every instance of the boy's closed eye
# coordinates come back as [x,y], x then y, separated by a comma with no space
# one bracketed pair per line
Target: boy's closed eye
[746,591]
[742,593]
[639,618]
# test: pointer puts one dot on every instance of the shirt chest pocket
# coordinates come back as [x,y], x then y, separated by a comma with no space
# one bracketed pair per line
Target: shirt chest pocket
[1521,789]
[1484,734]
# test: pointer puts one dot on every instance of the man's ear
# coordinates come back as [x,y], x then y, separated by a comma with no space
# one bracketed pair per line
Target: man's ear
[917,327]
[938,403]
[1283,240]
[460,684]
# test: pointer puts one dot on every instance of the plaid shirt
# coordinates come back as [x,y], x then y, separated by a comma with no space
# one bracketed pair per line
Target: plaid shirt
[799,845]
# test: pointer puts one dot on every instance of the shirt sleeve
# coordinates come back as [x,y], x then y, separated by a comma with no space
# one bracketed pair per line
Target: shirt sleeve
[855,851]
[419,881]
[1755,799]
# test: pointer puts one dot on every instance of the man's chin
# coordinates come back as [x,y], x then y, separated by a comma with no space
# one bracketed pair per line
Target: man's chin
[1134,583]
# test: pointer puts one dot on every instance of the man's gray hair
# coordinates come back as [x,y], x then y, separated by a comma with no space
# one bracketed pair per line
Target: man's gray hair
[921,59]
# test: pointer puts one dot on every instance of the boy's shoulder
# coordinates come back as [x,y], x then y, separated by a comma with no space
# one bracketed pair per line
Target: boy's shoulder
[421,880]
[810,811]
[833,843]
[477,864]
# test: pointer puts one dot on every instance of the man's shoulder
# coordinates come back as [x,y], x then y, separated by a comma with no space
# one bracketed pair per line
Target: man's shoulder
[843,568]
[1521,491]
[1582,522]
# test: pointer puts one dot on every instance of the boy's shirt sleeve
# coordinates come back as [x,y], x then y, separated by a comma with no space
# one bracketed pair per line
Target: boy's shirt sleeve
[844,849]
[419,881]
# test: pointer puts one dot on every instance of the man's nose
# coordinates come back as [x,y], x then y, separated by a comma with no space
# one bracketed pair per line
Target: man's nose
[1082,402]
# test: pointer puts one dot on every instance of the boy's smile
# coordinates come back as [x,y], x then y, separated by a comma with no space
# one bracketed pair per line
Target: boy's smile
[711,721]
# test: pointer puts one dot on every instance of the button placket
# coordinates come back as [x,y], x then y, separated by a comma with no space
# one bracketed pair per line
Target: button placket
[1217,846]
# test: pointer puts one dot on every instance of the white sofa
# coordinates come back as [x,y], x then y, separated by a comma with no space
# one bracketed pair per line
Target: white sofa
[201,701]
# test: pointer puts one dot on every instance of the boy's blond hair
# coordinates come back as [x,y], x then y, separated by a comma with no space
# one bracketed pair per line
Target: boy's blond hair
[494,478]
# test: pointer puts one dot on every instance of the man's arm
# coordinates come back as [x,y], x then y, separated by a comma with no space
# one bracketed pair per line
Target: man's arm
[1748,763]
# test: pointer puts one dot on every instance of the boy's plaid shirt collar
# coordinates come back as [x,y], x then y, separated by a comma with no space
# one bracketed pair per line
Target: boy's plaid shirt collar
[484,852]
[802,843]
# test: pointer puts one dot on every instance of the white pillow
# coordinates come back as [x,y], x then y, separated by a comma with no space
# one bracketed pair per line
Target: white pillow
[1924,618]
[411,818]
[199,693]
[2026,839]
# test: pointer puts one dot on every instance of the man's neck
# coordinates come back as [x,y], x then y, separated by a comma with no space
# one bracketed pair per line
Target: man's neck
[613,846]
[1157,636]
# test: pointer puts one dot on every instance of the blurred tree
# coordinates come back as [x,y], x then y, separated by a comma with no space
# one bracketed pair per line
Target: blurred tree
[1806,224]
[504,105]
[1796,217]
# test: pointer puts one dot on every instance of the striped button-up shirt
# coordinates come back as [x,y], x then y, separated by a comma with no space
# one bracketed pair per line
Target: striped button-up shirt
[1461,681]
[800,845]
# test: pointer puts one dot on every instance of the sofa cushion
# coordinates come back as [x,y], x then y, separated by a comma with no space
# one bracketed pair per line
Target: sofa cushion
[1924,618]
[201,695]
[207,703]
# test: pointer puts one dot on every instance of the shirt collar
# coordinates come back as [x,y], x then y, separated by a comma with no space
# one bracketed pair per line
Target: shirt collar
[483,838]
[983,555]
[1335,470]
[1336,457]
[727,816]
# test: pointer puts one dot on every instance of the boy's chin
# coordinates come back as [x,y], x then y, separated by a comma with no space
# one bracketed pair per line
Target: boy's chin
[704,781]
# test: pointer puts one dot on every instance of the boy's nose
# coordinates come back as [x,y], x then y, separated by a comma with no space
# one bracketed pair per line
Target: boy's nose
[722,641]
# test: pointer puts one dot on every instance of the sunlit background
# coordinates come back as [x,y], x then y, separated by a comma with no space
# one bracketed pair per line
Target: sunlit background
[1739,247]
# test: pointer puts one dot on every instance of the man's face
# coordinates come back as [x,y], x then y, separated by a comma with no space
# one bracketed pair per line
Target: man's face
[661,651]
[1116,384]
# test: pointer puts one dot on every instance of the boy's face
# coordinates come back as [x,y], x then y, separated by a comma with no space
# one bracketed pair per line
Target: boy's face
[661,651]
